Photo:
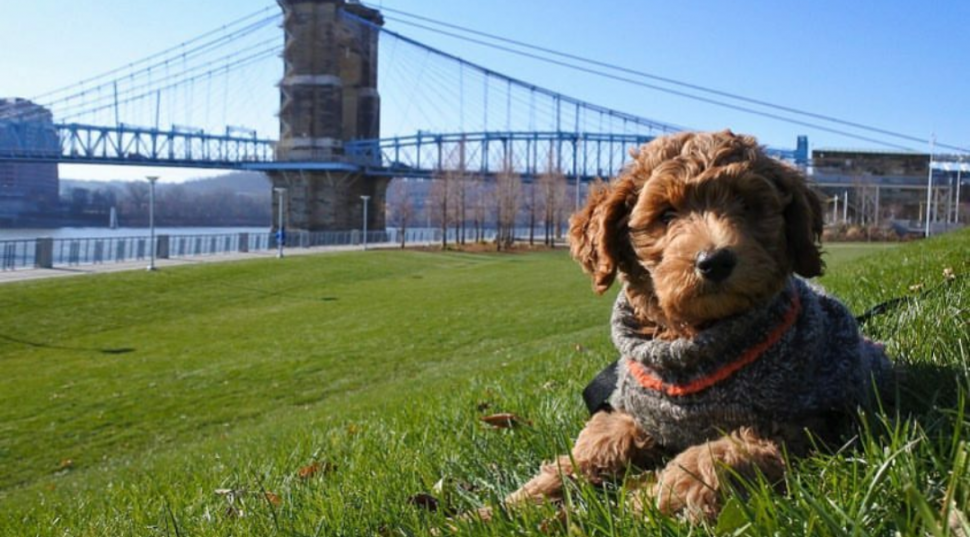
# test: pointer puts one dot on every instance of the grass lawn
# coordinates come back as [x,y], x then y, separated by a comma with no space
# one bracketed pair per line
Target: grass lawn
[318,395]
[837,253]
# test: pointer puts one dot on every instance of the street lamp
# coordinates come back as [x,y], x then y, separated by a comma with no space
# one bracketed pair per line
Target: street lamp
[151,219]
[280,231]
[929,188]
[365,198]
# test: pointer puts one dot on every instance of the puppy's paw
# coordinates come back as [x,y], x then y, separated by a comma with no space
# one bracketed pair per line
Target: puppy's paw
[546,486]
[689,485]
[692,483]
[609,442]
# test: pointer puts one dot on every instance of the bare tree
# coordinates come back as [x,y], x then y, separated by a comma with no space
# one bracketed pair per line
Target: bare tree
[461,190]
[439,195]
[508,187]
[552,183]
[479,207]
[461,193]
[137,197]
[531,207]
[401,206]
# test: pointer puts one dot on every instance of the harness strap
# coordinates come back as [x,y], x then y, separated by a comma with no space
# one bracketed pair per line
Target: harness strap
[597,393]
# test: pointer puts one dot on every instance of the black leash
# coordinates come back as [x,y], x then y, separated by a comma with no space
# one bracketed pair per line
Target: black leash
[597,393]
[883,307]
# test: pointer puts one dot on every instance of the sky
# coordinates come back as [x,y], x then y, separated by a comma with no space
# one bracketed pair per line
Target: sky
[894,65]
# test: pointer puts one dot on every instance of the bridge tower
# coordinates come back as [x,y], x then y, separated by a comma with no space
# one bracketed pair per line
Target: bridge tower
[328,95]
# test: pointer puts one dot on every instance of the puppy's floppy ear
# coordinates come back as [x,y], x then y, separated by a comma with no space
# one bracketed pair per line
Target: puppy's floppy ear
[803,223]
[597,233]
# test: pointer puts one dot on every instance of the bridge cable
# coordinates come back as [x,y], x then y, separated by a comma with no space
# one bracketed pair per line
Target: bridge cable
[640,120]
[666,90]
[652,76]
[168,51]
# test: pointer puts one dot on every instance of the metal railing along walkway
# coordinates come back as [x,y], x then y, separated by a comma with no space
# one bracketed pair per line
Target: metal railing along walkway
[69,252]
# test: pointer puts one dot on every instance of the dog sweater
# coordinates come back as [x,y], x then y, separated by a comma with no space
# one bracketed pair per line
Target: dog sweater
[795,362]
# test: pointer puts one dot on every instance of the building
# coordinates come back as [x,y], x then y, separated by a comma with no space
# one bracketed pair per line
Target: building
[878,185]
[26,187]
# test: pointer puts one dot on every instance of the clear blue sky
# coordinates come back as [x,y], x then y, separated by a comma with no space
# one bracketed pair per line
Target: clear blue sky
[901,66]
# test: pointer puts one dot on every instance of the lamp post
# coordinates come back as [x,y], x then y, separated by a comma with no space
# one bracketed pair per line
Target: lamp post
[956,204]
[365,199]
[929,188]
[280,231]
[151,219]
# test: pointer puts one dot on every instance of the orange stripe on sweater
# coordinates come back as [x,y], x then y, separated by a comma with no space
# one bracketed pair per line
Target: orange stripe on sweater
[651,382]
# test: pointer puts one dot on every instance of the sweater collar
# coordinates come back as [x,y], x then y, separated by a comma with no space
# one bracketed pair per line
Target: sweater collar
[684,366]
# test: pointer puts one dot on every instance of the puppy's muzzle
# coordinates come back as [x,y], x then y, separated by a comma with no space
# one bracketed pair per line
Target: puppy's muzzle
[715,265]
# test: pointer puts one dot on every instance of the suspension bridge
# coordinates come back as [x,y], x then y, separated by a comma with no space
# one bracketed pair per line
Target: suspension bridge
[347,122]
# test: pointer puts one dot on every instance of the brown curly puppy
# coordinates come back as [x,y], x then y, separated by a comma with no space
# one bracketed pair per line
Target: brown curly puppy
[726,355]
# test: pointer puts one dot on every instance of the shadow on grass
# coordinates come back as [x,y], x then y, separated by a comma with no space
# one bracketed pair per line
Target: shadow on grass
[283,293]
[927,388]
[119,350]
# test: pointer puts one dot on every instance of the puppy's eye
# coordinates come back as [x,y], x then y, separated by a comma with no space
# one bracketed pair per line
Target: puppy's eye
[668,216]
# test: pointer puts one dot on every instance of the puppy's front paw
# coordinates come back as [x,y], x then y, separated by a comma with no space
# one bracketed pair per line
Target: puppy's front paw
[692,482]
[689,485]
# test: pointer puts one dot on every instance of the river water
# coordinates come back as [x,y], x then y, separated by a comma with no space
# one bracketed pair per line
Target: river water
[103,232]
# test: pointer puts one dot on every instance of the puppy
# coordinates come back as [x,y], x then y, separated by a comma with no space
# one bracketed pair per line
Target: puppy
[727,357]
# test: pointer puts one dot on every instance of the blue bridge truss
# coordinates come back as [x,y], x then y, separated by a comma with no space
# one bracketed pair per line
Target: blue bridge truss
[27,141]
[582,155]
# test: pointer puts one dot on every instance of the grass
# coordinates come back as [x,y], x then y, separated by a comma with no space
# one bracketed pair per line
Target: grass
[320,395]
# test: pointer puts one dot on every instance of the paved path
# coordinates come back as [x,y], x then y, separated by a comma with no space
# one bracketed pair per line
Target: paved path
[26,274]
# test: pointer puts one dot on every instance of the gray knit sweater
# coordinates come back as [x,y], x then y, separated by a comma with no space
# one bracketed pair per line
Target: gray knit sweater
[798,361]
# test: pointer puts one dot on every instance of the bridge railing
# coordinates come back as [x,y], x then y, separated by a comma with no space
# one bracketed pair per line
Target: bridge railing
[72,252]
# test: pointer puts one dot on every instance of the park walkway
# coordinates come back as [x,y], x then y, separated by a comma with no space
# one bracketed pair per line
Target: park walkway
[27,274]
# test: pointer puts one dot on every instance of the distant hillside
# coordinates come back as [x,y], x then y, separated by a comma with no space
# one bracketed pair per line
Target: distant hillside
[238,182]
[233,199]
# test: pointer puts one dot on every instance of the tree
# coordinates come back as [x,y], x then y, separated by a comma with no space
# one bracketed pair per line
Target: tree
[479,196]
[401,207]
[508,187]
[552,184]
[80,198]
[460,192]
[461,188]
[135,204]
[439,195]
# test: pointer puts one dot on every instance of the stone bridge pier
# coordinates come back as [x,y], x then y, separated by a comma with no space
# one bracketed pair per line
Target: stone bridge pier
[328,201]
[328,95]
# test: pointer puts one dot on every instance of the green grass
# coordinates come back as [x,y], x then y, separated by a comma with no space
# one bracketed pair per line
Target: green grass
[838,253]
[162,389]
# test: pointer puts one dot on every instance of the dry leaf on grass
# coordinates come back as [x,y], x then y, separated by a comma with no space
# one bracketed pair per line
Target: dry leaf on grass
[505,420]
[316,468]
[424,501]
[273,499]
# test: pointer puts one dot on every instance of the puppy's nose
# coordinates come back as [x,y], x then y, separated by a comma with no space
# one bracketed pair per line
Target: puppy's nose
[715,265]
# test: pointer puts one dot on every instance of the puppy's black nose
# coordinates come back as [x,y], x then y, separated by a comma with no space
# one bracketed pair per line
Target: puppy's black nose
[716,265]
